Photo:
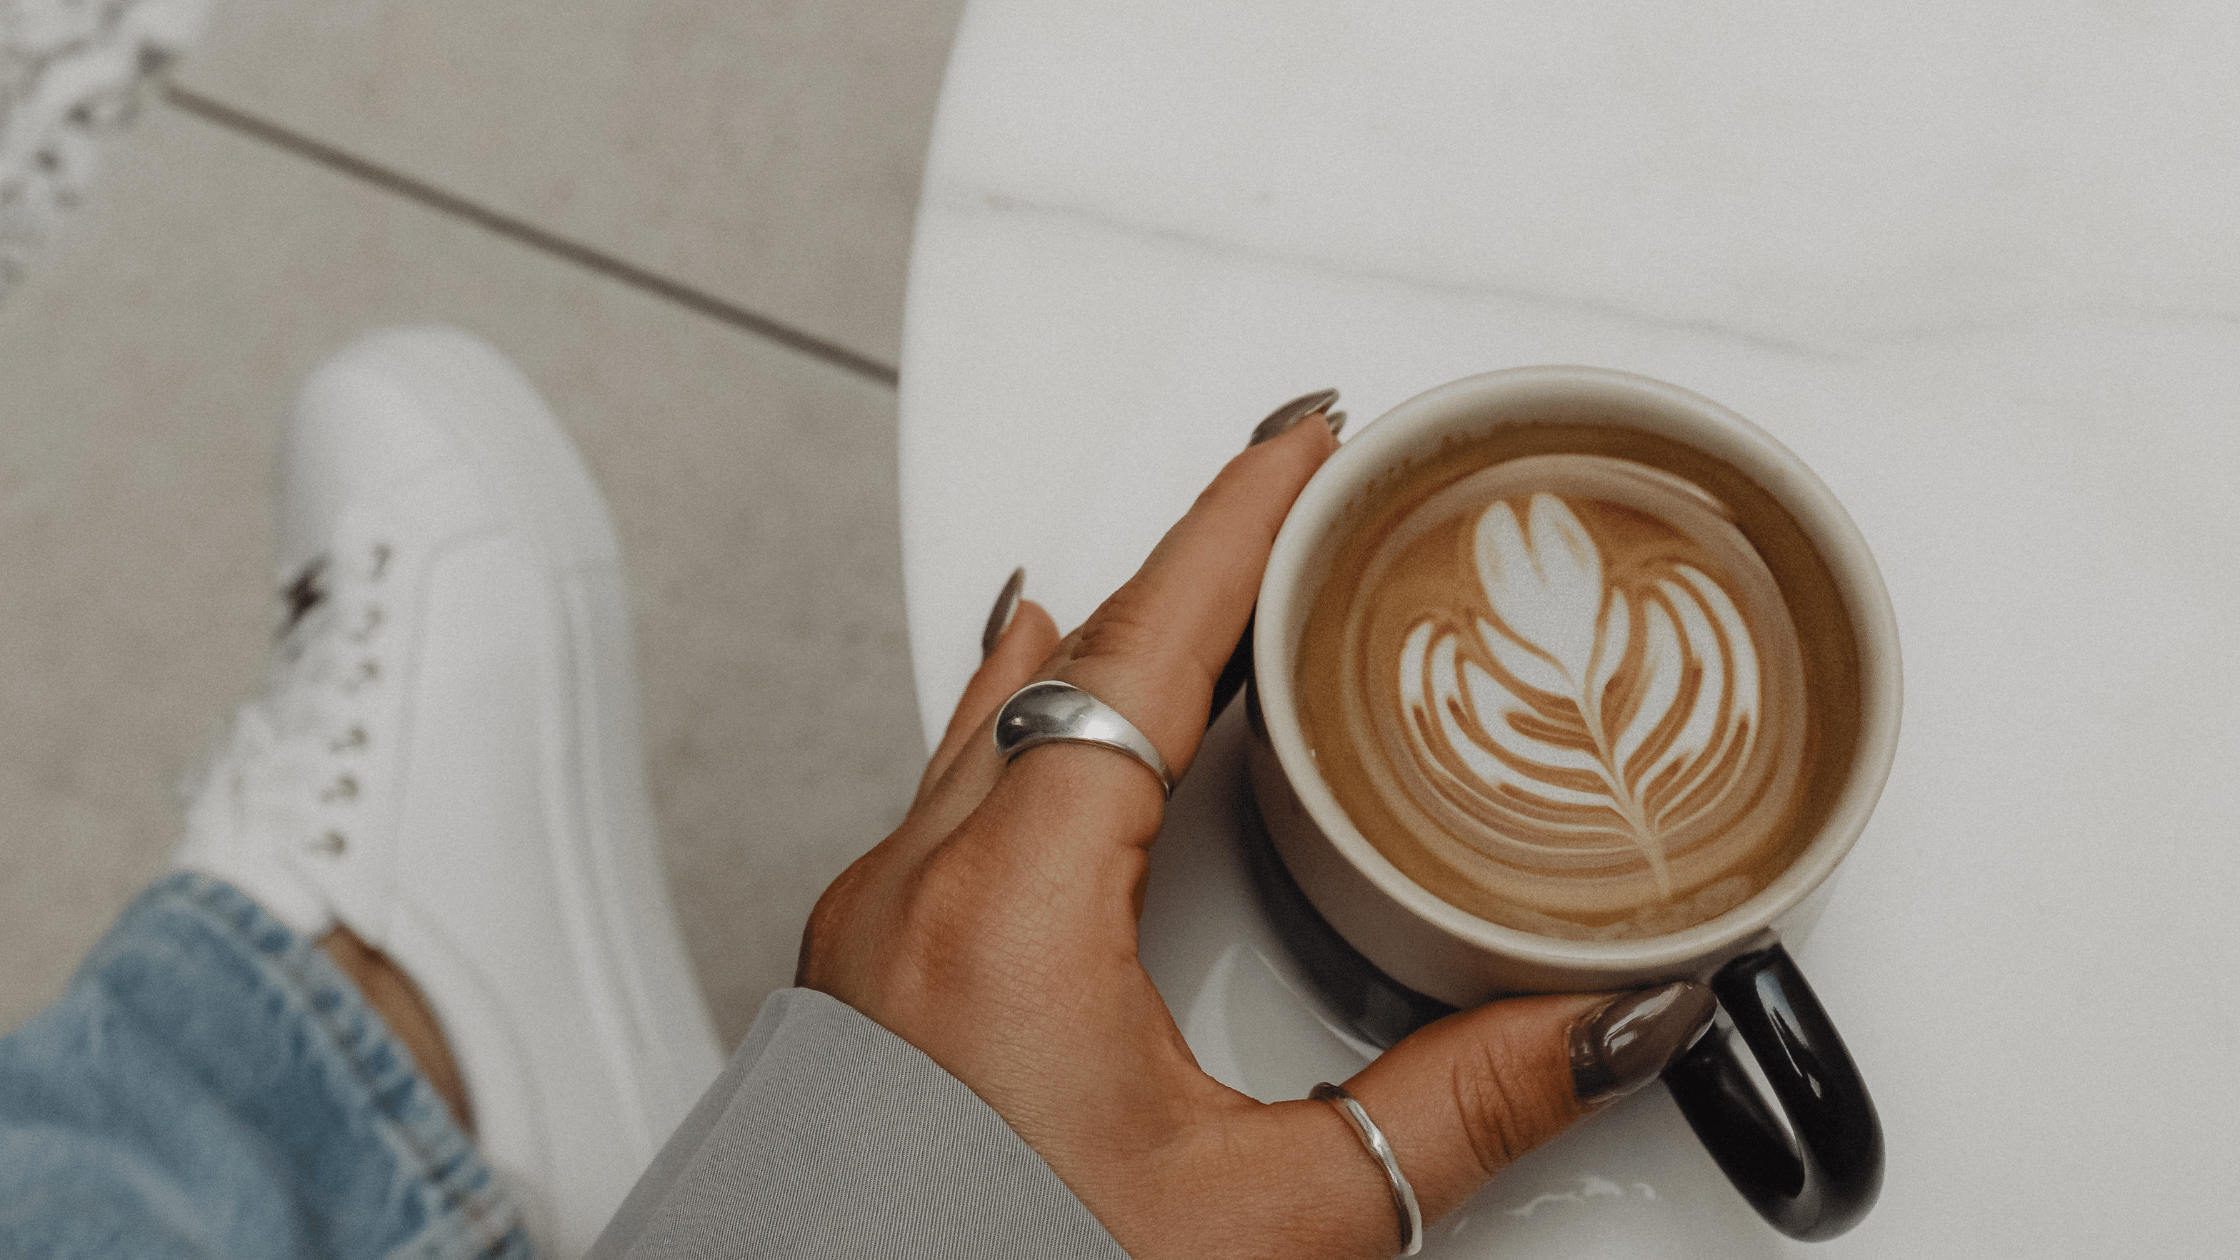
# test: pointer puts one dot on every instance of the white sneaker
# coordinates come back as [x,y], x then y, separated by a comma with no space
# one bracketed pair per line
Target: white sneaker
[449,763]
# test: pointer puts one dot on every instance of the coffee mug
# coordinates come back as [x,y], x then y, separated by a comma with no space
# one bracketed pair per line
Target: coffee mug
[1567,679]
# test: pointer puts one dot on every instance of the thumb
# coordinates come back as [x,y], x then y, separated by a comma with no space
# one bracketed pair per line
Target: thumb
[1465,1097]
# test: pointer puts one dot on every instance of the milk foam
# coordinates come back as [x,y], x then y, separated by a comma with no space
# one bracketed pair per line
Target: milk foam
[1578,671]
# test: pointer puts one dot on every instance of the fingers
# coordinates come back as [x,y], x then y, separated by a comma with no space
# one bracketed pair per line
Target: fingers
[1072,821]
[958,775]
[1464,1098]
[1200,581]
[1153,650]
[1016,652]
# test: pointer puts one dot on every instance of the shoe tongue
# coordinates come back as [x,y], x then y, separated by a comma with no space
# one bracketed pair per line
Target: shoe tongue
[239,829]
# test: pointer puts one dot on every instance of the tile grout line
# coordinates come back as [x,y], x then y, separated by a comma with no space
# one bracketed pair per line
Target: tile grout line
[434,198]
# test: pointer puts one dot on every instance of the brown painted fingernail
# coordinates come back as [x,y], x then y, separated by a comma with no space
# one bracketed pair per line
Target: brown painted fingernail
[1336,420]
[1621,1047]
[1282,418]
[999,617]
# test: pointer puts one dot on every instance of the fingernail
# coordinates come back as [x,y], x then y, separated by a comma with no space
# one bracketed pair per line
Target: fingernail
[999,617]
[1621,1047]
[1291,413]
[1336,420]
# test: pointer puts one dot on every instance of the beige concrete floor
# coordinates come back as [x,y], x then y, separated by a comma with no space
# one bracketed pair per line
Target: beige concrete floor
[687,220]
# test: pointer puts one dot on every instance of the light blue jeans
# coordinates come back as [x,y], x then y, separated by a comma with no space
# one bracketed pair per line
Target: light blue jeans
[211,1085]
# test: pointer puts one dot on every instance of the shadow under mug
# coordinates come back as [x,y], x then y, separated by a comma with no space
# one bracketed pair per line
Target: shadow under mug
[1391,956]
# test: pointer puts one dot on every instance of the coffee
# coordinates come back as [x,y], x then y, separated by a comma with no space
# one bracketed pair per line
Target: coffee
[1578,679]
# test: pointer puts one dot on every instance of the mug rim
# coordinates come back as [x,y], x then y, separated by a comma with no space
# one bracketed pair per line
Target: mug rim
[1656,406]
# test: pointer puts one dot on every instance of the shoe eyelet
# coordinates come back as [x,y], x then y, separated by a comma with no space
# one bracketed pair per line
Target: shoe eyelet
[332,844]
[344,788]
[353,738]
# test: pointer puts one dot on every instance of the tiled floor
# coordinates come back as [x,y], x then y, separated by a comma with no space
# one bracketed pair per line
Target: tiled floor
[686,220]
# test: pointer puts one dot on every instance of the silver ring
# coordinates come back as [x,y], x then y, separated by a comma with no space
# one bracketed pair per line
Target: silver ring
[1052,712]
[1403,1194]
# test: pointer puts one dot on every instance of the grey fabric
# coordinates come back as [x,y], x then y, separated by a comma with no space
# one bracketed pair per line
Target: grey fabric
[827,1135]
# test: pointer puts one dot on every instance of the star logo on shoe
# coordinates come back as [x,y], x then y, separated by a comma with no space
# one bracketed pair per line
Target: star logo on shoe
[303,594]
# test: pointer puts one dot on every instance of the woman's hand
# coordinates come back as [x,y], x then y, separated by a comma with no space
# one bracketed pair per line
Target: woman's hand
[996,931]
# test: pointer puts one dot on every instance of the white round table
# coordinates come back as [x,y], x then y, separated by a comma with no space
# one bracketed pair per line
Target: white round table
[1978,264]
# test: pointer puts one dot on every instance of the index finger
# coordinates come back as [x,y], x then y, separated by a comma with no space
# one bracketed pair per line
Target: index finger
[1153,650]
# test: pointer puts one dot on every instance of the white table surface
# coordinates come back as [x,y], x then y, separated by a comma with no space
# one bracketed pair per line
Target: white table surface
[1978,264]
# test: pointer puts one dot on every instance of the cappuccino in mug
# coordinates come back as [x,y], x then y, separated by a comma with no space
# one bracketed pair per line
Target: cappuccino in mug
[1567,679]
[1580,680]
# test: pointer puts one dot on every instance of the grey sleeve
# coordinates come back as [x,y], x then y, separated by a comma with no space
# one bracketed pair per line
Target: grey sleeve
[827,1135]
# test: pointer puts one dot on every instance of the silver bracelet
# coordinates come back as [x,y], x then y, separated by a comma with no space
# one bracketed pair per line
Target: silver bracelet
[1403,1194]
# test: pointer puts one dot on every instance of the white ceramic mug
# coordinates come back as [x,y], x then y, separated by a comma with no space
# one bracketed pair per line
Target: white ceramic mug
[1814,1187]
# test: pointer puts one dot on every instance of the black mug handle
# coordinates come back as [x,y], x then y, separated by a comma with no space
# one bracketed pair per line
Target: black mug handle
[1821,1183]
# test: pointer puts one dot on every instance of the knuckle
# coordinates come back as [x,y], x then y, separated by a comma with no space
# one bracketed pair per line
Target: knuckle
[943,900]
[1483,1099]
[1123,626]
[1505,1104]
[961,908]
[1133,629]
[832,925]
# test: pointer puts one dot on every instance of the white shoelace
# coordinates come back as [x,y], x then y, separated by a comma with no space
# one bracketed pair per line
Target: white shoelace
[291,771]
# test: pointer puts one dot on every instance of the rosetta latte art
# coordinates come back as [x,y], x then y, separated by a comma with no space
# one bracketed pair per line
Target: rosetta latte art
[1563,692]
[1581,712]
[1580,697]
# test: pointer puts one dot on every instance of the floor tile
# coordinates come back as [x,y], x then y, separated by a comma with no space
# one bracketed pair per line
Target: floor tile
[149,358]
[768,153]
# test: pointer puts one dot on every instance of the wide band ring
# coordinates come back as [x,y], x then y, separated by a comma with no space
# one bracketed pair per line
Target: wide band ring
[1403,1194]
[1053,712]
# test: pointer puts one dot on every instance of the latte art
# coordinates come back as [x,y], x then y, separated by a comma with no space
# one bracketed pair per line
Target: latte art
[1582,719]
[1575,685]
